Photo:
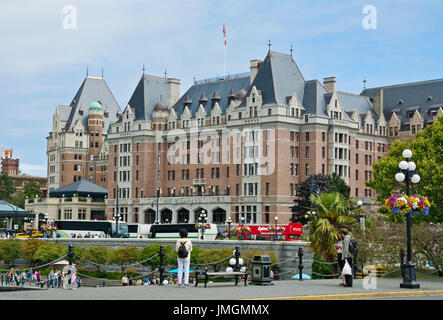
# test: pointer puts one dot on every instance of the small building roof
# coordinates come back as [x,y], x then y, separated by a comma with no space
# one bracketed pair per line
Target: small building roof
[81,188]
[8,210]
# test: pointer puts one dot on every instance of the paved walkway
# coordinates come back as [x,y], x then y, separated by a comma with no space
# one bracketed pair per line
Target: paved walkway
[282,290]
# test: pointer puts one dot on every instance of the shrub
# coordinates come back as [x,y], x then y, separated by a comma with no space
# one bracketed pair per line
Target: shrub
[10,249]
[320,270]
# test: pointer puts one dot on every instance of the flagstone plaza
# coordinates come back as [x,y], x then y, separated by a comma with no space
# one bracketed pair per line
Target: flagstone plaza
[281,290]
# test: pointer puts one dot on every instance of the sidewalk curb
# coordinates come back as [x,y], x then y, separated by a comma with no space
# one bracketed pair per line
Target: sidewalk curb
[349,296]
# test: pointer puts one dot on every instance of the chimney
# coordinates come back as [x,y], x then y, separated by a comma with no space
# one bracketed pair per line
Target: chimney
[377,101]
[329,84]
[255,66]
[173,91]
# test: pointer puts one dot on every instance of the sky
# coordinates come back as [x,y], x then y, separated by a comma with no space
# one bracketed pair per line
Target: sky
[46,47]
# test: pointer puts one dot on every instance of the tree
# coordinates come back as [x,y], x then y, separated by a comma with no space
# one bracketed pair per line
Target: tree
[314,185]
[332,212]
[427,153]
[335,182]
[7,187]
[10,249]
[31,189]
[29,248]
[152,250]
[97,254]
[49,252]
[125,255]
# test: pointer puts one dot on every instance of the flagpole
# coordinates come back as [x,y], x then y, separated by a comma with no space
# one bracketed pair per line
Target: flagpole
[224,65]
[224,52]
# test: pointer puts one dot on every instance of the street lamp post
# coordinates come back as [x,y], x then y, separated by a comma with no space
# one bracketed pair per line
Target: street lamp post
[242,223]
[275,233]
[116,214]
[203,220]
[408,174]
[156,211]
[229,221]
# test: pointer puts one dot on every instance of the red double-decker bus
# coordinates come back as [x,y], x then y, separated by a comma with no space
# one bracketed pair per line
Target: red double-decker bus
[292,232]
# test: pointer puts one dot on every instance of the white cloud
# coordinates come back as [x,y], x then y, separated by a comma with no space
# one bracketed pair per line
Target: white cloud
[33,170]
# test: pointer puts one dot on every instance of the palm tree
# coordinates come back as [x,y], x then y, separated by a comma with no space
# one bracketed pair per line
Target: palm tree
[332,212]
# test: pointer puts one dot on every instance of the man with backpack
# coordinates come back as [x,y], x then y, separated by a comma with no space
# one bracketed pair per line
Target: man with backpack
[349,248]
[183,248]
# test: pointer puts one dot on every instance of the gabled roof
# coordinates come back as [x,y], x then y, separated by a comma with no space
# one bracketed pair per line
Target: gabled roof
[314,98]
[412,95]
[92,89]
[82,188]
[150,90]
[351,102]
[278,78]
[222,88]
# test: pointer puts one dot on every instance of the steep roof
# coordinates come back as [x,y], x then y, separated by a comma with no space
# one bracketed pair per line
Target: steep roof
[82,188]
[314,98]
[91,90]
[422,95]
[221,88]
[278,78]
[150,90]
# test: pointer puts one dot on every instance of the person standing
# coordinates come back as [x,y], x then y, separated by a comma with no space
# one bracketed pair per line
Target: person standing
[339,248]
[183,248]
[346,255]
[51,279]
[23,277]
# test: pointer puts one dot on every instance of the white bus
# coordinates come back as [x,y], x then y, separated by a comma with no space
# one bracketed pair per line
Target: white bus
[171,231]
[100,228]
[138,230]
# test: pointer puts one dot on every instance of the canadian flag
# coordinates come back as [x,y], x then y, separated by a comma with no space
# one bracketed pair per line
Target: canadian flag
[224,32]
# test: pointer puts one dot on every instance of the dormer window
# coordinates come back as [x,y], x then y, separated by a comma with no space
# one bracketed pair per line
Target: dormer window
[400,101]
[80,112]
[429,98]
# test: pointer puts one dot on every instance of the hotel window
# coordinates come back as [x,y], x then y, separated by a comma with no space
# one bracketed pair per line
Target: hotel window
[158,175]
[267,189]
[356,174]
[68,214]
[323,152]
[323,136]
[307,136]
[291,189]
[307,152]
[307,169]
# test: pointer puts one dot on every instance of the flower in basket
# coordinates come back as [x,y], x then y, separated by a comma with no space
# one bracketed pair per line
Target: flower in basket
[404,204]
[272,228]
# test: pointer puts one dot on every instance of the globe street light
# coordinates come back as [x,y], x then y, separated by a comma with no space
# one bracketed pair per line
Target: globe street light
[275,233]
[203,220]
[408,173]
[229,221]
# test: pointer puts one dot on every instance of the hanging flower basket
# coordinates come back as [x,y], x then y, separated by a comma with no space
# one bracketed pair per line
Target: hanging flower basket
[241,229]
[276,229]
[202,226]
[407,205]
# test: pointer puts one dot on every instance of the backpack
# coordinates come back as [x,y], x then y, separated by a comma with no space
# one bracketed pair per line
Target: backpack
[182,251]
[352,245]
